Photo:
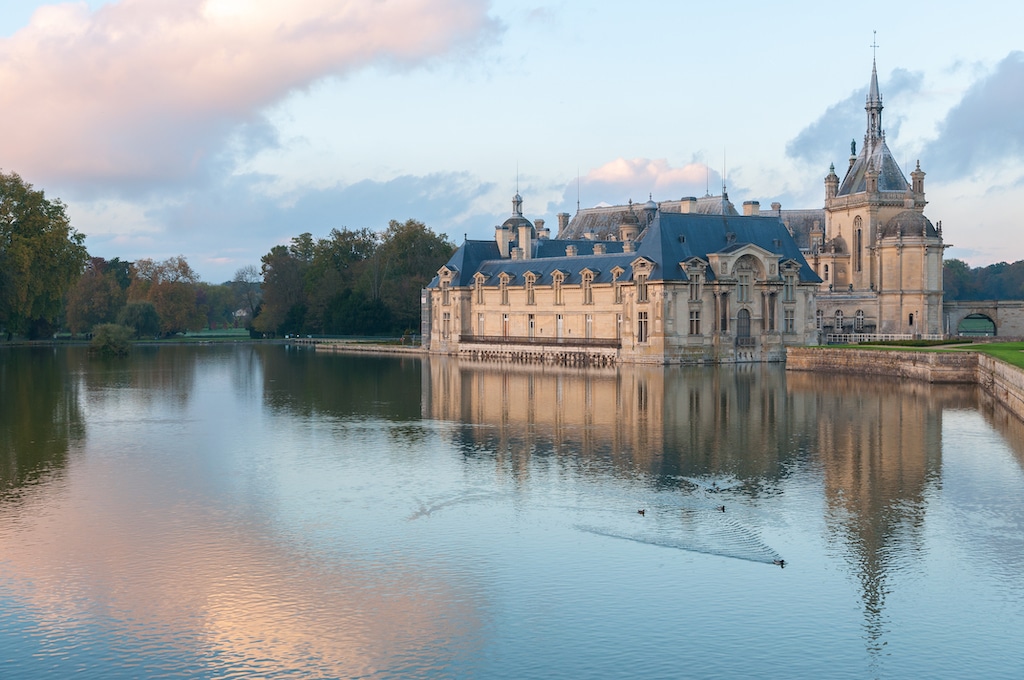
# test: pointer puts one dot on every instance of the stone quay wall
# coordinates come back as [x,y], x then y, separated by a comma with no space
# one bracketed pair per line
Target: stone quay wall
[1003,382]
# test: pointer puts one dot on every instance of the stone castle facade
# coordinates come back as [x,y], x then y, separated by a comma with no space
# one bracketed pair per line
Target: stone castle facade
[694,281]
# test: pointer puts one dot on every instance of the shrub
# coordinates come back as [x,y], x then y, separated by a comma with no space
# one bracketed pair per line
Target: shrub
[111,339]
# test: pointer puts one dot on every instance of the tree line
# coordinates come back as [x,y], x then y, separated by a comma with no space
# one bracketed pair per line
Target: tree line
[353,282]
[1000,281]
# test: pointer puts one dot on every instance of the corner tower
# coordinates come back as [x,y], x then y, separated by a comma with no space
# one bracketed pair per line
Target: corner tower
[880,251]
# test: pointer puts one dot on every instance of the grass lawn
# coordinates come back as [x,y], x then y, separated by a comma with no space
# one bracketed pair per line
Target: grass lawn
[1010,352]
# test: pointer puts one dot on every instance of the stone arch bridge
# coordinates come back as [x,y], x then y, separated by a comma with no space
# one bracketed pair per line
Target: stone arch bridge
[984,317]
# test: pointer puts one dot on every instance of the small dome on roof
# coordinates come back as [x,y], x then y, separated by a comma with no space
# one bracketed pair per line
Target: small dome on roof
[650,205]
[908,223]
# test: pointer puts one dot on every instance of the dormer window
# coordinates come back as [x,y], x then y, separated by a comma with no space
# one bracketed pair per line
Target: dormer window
[556,285]
[588,288]
[503,288]
[529,280]
[479,289]
[641,287]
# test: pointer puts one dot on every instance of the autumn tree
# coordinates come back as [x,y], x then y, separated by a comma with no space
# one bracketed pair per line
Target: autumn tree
[171,286]
[96,297]
[41,257]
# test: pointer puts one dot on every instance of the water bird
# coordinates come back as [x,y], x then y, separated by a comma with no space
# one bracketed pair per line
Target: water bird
[720,508]
[781,563]
[641,512]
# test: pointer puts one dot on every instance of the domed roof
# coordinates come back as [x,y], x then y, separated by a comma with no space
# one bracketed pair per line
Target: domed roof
[908,223]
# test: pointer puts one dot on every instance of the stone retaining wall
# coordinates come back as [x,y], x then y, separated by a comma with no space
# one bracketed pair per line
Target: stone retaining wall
[1003,382]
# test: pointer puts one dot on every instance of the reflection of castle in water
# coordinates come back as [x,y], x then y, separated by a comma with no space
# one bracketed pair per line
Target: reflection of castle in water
[876,444]
[661,420]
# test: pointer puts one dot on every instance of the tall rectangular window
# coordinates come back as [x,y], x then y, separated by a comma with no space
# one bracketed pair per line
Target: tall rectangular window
[446,324]
[788,321]
[695,287]
[641,288]
[743,291]
[445,295]
[479,324]
[556,284]
[589,325]
[789,288]
[530,299]
[694,322]
[479,291]
[588,290]
[503,286]
[641,327]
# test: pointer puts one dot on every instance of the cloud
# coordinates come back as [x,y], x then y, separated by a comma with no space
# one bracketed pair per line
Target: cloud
[826,139]
[148,90]
[985,127]
[234,221]
[622,179]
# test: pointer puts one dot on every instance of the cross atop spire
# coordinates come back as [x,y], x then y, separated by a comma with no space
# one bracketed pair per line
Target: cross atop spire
[874,101]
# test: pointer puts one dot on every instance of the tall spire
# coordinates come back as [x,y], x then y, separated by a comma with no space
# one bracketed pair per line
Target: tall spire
[873,105]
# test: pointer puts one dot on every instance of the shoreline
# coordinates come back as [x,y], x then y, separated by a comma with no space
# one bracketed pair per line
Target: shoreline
[998,379]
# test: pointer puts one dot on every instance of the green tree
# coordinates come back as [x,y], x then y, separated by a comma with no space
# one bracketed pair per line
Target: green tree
[411,254]
[111,339]
[284,307]
[141,317]
[41,257]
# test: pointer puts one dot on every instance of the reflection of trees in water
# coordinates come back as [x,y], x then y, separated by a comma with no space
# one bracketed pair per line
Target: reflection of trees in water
[166,373]
[40,418]
[303,382]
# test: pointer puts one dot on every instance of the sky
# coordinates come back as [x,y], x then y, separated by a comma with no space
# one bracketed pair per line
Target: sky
[217,129]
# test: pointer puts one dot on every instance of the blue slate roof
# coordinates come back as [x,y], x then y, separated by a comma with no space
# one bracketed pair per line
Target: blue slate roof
[671,238]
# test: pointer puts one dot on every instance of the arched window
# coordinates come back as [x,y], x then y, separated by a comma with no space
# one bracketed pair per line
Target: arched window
[530,279]
[588,288]
[858,321]
[479,283]
[743,324]
[556,284]
[503,287]
[839,321]
[819,319]
[858,243]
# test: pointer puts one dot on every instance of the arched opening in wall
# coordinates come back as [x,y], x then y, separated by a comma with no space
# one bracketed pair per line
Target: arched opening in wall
[976,324]
[743,338]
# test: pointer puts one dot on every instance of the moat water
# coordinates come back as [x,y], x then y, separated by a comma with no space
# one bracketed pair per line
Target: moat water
[271,512]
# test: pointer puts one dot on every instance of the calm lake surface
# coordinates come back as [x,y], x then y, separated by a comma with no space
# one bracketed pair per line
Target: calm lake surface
[267,511]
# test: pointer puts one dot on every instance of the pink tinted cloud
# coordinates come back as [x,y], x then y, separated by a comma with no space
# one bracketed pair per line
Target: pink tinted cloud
[649,175]
[146,89]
